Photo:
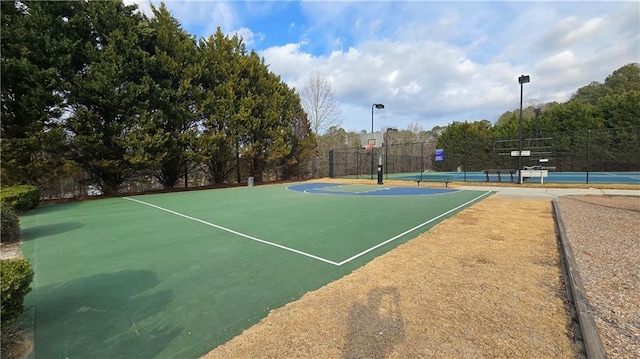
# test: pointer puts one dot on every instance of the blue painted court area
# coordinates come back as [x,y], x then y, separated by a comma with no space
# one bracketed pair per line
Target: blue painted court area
[365,190]
[553,177]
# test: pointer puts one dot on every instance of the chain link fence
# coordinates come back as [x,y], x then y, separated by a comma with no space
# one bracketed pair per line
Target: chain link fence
[595,150]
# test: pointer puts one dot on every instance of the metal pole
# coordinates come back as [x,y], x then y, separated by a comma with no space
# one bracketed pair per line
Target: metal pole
[331,164]
[537,111]
[186,175]
[386,151]
[358,163]
[588,152]
[386,157]
[380,169]
[520,139]
[521,80]
[466,137]
[372,106]
[421,160]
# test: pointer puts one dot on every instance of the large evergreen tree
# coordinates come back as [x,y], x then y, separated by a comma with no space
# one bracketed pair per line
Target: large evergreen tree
[219,105]
[297,164]
[165,133]
[252,122]
[107,92]
[265,128]
[35,59]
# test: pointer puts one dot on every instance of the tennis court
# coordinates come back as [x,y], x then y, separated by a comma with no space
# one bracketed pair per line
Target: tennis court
[553,177]
[175,275]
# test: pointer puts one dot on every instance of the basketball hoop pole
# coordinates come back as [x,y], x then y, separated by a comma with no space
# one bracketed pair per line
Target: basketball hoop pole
[380,167]
[378,106]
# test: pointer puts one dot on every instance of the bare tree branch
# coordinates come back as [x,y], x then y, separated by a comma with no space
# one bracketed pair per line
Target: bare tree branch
[318,102]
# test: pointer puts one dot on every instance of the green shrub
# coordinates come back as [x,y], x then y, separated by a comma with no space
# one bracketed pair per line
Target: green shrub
[10,224]
[22,198]
[15,280]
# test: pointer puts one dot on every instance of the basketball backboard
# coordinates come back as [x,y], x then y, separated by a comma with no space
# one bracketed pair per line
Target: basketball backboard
[374,138]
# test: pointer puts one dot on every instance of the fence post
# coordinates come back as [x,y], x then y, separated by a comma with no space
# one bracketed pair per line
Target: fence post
[588,152]
[331,164]
[346,165]
[466,138]
[386,159]
[421,160]
[358,163]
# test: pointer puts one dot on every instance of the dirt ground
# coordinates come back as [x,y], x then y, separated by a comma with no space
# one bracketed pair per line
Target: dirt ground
[485,283]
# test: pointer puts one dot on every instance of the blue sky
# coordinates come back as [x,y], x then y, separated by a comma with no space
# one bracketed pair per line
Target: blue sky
[429,62]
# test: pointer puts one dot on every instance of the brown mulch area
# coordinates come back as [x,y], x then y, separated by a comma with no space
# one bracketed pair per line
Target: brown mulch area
[485,283]
[603,232]
[15,342]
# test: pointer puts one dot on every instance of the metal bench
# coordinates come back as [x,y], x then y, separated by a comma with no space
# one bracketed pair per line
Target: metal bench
[500,172]
[435,178]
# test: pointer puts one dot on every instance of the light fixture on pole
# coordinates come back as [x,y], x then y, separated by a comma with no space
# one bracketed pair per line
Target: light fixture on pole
[386,151]
[379,106]
[523,79]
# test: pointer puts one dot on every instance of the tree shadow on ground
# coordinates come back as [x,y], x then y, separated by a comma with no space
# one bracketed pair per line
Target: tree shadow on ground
[376,326]
[108,315]
[32,233]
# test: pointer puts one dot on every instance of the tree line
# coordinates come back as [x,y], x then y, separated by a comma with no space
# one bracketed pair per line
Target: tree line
[599,125]
[98,88]
[600,119]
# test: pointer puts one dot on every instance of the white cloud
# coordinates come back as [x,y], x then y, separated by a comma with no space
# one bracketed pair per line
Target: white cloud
[585,30]
[418,82]
[290,62]
[248,37]
[224,15]
[143,6]
[572,30]
[434,62]
[563,59]
[412,88]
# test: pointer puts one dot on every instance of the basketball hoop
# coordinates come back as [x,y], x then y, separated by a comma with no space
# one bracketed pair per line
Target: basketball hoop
[369,147]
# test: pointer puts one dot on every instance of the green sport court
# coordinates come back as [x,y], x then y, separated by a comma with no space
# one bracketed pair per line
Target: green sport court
[177,274]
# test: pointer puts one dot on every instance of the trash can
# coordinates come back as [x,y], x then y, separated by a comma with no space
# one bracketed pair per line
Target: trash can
[250,182]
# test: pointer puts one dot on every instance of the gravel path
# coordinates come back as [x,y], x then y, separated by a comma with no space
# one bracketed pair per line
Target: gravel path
[604,235]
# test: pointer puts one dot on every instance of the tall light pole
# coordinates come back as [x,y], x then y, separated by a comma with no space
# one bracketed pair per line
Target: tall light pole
[379,106]
[521,80]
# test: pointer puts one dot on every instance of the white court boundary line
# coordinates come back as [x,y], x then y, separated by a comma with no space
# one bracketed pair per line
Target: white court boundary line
[412,229]
[338,264]
[329,193]
[234,232]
